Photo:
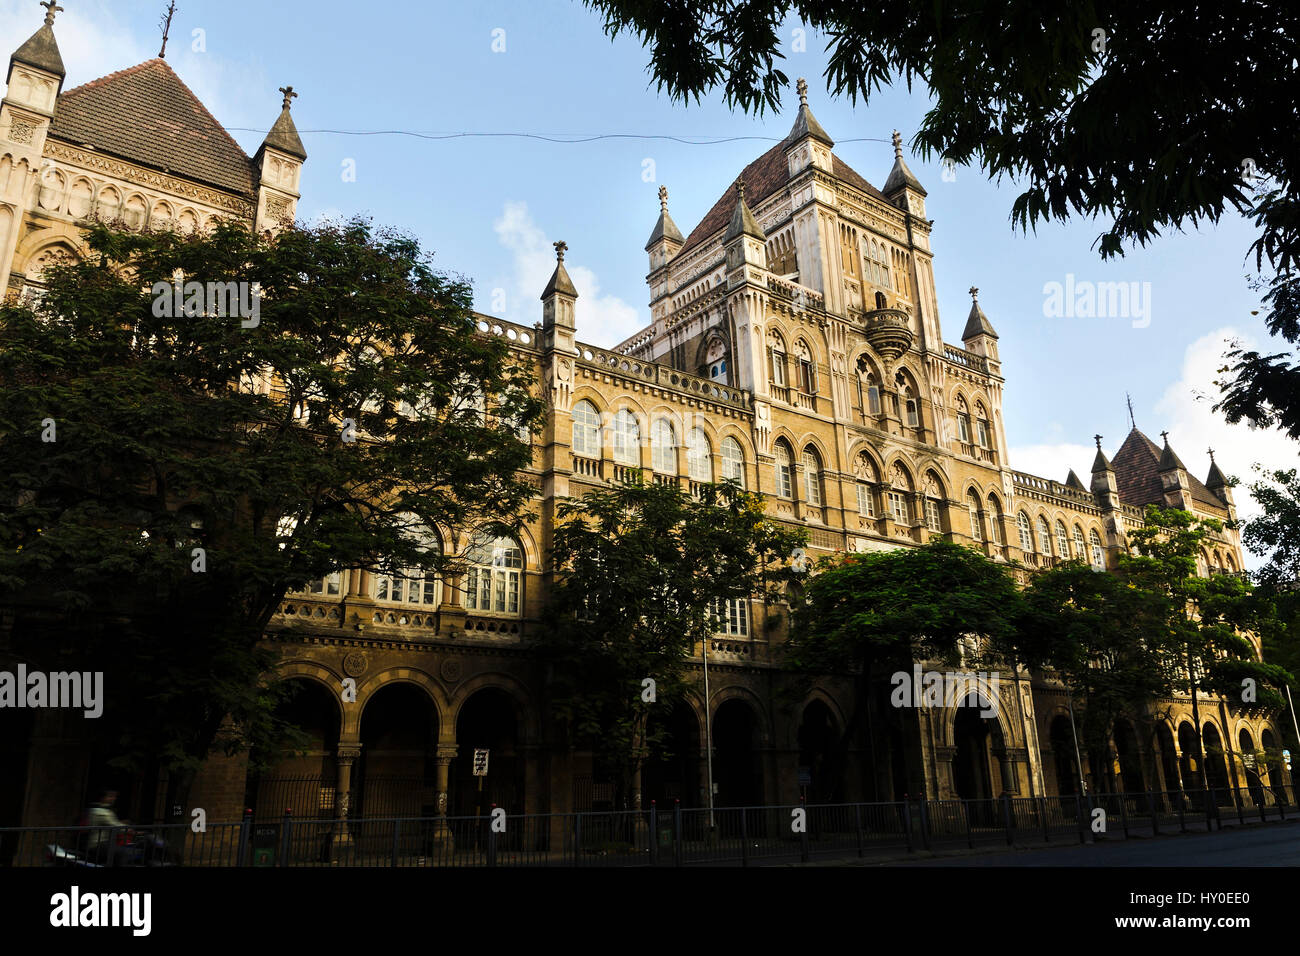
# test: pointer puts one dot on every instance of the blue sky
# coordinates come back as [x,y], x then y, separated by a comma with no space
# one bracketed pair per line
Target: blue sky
[490,206]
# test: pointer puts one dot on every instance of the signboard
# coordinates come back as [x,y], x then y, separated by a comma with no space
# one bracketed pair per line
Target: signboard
[480,763]
[805,777]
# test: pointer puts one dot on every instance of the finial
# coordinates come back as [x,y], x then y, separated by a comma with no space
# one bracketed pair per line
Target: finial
[740,189]
[974,294]
[166,24]
[289,95]
[898,145]
[1211,451]
[51,8]
[663,198]
[802,87]
[1131,420]
[559,250]
[1165,436]
[1097,439]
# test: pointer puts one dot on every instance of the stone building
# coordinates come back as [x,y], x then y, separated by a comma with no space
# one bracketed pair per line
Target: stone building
[794,344]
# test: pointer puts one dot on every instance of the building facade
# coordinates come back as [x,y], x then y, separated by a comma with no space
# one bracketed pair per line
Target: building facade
[794,345]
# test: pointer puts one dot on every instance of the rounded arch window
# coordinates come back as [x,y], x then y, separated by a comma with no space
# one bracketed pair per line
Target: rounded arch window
[627,438]
[664,447]
[1062,540]
[415,584]
[1044,536]
[493,577]
[586,430]
[1098,554]
[733,461]
[1026,533]
[699,464]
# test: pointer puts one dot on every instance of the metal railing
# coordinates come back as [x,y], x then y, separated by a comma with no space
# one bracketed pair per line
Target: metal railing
[674,836]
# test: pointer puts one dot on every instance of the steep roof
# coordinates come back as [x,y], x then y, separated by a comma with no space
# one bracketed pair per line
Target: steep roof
[147,115]
[560,282]
[665,228]
[763,177]
[41,51]
[284,136]
[1137,474]
[977,323]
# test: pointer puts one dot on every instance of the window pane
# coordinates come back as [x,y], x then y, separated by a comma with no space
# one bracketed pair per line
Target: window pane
[866,507]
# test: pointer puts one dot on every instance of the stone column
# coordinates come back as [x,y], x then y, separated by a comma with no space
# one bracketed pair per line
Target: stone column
[347,755]
[441,832]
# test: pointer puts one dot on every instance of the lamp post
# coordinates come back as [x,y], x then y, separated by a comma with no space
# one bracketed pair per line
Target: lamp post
[708,734]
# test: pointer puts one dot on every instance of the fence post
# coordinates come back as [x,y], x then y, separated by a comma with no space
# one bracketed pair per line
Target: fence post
[577,838]
[1123,813]
[1008,819]
[970,835]
[654,835]
[1078,814]
[744,837]
[492,836]
[397,839]
[1151,806]
[857,825]
[245,825]
[1263,800]
[1241,809]
[677,831]
[1047,833]
[283,859]
[925,822]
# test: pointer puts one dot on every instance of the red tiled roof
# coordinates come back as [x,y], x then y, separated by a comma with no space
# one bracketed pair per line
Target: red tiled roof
[763,177]
[1137,474]
[147,115]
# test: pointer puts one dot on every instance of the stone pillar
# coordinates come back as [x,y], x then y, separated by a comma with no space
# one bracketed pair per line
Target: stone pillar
[441,832]
[347,755]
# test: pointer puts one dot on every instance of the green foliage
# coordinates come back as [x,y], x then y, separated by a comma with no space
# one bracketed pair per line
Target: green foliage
[639,571]
[1275,533]
[163,445]
[903,605]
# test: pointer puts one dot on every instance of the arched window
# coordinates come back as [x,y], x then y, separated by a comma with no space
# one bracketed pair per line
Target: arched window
[784,470]
[699,464]
[973,506]
[413,585]
[733,461]
[933,498]
[776,359]
[900,505]
[586,430]
[1080,550]
[812,477]
[492,579]
[995,521]
[807,370]
[963,420]
[1044,536]
[627,438]
[881,301]
[731,617]
[982,431]
[1062,541]
[1026,533]
[331,585]
[865,472]
[868,389]
[664,447]
[1098,555]
[911,410]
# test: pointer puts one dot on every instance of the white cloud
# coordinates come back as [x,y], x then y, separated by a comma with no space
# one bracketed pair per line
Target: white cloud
[603,320]
[1185,411]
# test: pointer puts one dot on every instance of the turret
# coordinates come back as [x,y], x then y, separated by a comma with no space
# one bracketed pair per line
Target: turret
[1174,482]
[558,307]
[279,162]
[664,243]
[744,241]
[978,336]
[808,144]
[902,188]
[1104,485]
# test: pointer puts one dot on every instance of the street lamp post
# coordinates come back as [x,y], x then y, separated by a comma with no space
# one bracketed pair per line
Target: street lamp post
[708,733]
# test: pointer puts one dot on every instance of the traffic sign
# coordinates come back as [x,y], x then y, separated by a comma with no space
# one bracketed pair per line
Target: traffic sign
[805,777]
[480,763]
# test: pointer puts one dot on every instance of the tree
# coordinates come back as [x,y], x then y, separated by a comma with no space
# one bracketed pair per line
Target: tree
[872,615]
[643,575]
[1275,533]
[169,470]
[1211,620]
[1261,389]
[1107,641]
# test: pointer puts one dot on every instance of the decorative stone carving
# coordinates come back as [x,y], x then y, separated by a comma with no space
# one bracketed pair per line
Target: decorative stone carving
[355,664]
[452,670]
[22,132]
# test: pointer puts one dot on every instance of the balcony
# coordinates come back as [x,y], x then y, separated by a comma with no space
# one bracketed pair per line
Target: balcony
[888,332]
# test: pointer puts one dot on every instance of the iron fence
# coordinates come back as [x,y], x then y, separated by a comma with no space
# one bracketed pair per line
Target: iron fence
[675,836]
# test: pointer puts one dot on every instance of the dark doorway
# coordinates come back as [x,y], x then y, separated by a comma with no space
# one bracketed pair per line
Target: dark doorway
[1130,762]
[396,775]
[487,722]
[736,766]
[1168,757]
[676,773]
[1216,769]
[1189,764]
[301,778]
[970,769]
[821,755]
[1067,767]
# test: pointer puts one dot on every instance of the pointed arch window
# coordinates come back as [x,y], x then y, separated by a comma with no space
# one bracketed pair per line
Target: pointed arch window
[973,507]
[812,477]
[586,430]
[983,434]
[733,461]
[784,471]
[493,582]
[865,472]
[995,521]
[807,370]
[868,389]
[933,504]
[1098,554]
[1044,537]
[627,438]
[1062,541]
[963,420]
[412,585]
[1026,533]
[699,463]
[664,447]
[776,359]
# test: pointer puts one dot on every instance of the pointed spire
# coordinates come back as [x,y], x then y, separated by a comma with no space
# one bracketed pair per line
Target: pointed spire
[900,176]
[805,124]
[1168,459]
[284,134]
[743,222]
[1101,462]
[665,228]
[977,323]
[560,282]
[1072,481]
[1216,478]
[41,49]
